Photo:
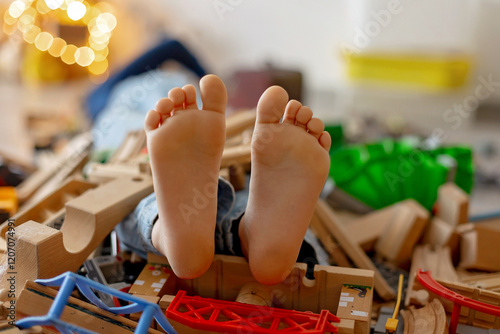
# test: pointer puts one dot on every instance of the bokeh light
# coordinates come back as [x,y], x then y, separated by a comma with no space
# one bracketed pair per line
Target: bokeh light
[106,22]
[43,41]
[16,8]
[30,35]
[57,47]
[54,4]
[68,55]
[84,56]
[76,10]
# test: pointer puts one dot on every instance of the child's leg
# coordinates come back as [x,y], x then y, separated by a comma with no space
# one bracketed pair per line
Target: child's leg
[290,163]
[185,146]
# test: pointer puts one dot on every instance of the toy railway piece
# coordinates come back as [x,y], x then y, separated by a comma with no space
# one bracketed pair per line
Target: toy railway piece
[459,301]
[45,210]
[102,173]
[436,260]
[236,155]
[131,146]
[228,276]
[400,235]
[238,122]
[478,242]
[233,317]
[452,204]
[430,319]
[65,163]
[43,252]
[44,306]
[352,249]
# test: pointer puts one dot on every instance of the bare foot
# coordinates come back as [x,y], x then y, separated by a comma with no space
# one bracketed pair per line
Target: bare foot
[185,146]
[290,164]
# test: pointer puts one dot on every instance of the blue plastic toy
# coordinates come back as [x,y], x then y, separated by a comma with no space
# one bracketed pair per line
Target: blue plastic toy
[67,283]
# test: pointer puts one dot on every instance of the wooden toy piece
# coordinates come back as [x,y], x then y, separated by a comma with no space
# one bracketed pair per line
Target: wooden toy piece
[72,157]
[438,261]
[155,280]
[237,176]
[346,326]
[131,146]
[440,233]
[255,294]
[402,233]
[355,304]
[236,155]
[429,319]
[240,121]
[369,228]
[102,173]
[229,274]
[452,204]
[43,252]
[337,255]
[487,281]
[36,300]
[352,249]
[479,246]
[51,204]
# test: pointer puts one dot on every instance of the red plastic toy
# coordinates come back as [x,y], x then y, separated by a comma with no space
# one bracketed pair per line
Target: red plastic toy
[233,317]
[425,278]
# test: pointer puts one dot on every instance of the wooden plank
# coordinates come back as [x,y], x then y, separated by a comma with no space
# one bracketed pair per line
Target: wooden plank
[452,204]
[236,155]
[239,121]
[36,300]
[352,249]
[42,252]
[397,241]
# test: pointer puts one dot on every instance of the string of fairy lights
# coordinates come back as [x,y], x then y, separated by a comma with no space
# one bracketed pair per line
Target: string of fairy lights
[29,17]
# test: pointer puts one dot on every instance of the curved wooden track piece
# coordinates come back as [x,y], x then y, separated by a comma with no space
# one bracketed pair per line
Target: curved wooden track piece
[43,252]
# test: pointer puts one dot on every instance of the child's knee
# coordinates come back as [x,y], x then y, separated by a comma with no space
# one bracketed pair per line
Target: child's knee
[271,269]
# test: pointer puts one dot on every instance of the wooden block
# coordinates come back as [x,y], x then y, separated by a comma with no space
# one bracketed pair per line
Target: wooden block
[438,233]
[367,229]
[36,300]
[237,176]
[479,246]
[438,261]
[337,254]
[239,121]
[53,202]
[400,236]
[228,274]
[102,173]
[131,146]
[42,252]
[155,280]
[352,249]
[355,303]
[346,326]
[63,165]
[453,204]
[236,155]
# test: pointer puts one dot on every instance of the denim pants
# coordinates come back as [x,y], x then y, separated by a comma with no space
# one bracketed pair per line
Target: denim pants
[134,232]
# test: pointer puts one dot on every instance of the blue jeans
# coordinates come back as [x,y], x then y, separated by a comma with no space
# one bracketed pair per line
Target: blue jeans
[134,232]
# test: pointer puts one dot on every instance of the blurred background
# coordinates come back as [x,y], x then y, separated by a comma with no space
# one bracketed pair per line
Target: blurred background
[388,77]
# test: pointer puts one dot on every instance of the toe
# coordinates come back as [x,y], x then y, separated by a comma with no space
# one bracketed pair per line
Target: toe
[213,93]
[152,121]
[304,115]
[271,105]
[315,127]
[291,111]
[325,140]
[165,107]
[178,98]
[190,93]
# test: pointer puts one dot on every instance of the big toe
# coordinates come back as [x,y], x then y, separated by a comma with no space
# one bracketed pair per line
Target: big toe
[271,106]
[213,93]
